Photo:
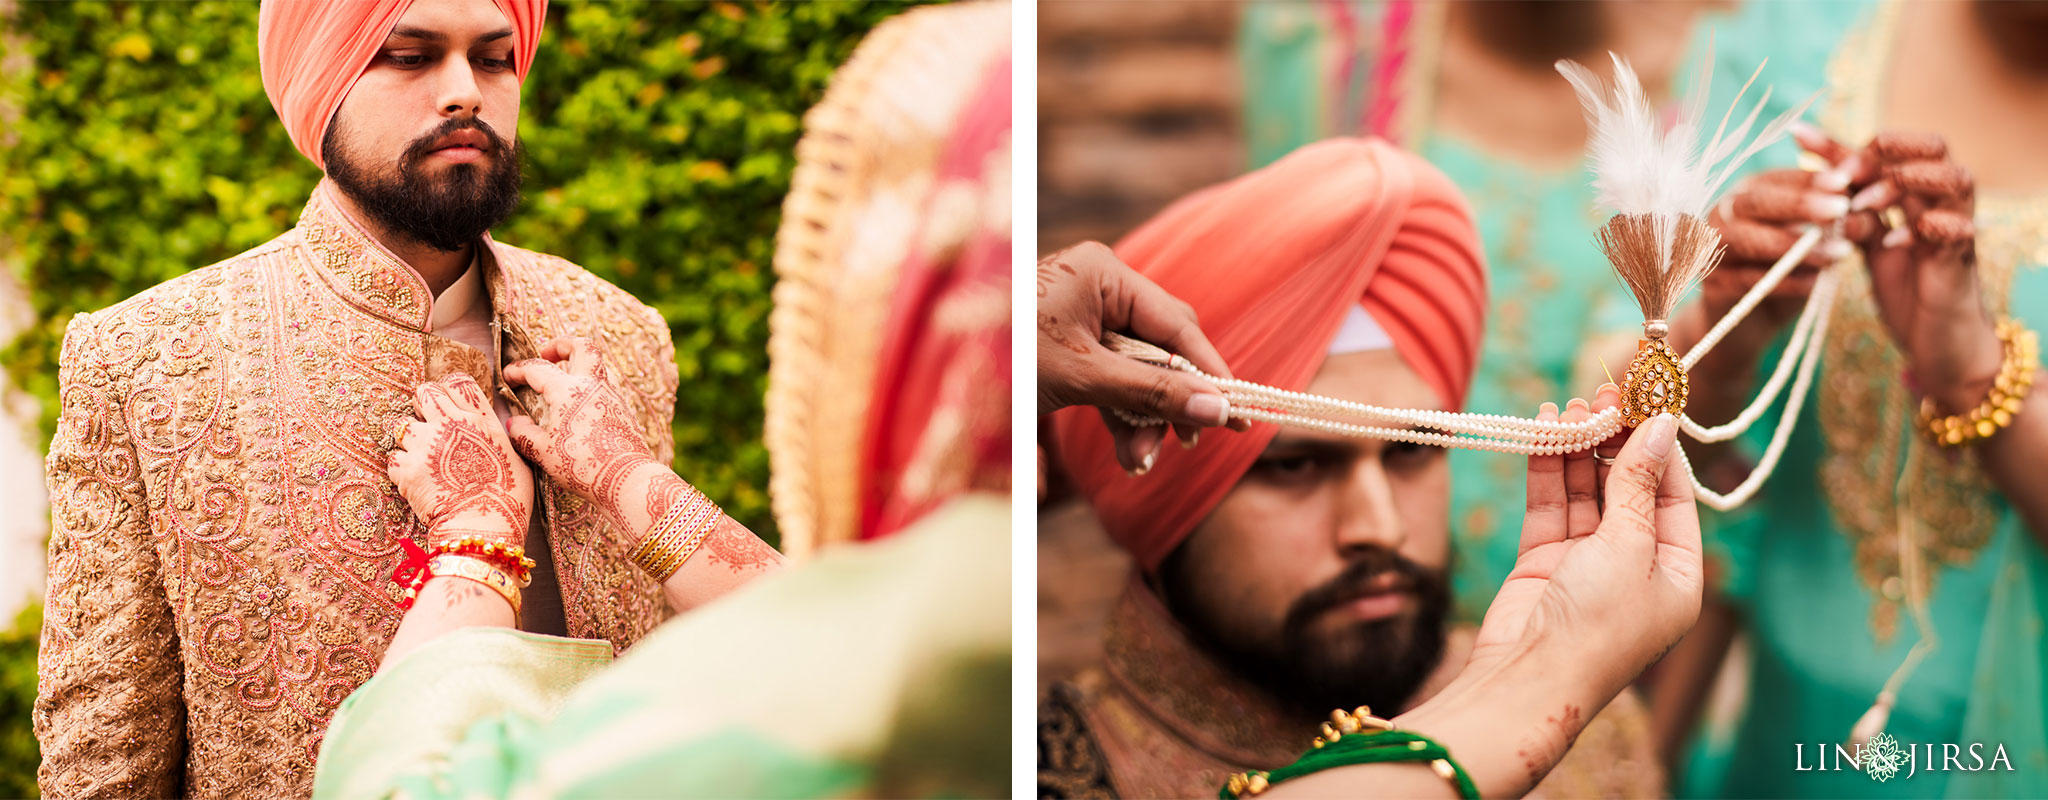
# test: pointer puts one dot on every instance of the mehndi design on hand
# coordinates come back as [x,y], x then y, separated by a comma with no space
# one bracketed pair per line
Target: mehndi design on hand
[589,441]
[456,467]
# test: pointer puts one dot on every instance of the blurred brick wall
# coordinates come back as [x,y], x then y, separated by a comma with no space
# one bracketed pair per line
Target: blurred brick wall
[1138,104]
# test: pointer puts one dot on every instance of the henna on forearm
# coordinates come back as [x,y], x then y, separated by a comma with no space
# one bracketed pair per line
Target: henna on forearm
[663,492]
[1543,750]
[460,592]
[738,550]
[729,557]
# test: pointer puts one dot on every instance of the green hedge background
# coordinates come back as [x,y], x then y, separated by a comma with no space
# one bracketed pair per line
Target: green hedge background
[660,139]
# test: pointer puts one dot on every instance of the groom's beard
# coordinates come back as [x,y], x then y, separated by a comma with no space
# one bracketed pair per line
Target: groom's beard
[446,212]
[1314,664]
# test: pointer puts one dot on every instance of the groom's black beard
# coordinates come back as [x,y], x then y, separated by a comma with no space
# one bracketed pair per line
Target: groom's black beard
[1313,669]
[446,213]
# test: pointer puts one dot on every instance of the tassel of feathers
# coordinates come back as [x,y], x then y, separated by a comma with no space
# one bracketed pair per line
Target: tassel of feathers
[1658,184]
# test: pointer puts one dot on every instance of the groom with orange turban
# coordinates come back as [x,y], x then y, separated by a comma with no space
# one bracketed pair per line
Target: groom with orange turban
[1282,573]
[224,535]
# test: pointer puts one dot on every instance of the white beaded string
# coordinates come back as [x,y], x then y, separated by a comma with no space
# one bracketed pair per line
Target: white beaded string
[1777,272]
[1823,295]
[1505,434]
[1816,307]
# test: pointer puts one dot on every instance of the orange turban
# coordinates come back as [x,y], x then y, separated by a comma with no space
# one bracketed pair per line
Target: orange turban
[312,52]
[1272,262]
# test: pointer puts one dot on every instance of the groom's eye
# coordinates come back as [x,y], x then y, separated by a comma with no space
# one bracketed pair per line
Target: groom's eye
[1404,455]
[1292,467]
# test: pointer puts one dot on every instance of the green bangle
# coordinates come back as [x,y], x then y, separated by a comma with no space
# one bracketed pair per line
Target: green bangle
[1367,747]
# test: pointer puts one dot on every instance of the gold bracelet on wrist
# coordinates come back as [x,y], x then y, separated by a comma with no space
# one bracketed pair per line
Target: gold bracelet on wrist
[652,544]
[448,565]
[509,557]
[677,535]
[2008,391]
[684,539]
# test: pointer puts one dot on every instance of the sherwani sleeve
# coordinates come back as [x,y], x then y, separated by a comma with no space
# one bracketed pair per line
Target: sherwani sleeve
[668,381]
[109,709]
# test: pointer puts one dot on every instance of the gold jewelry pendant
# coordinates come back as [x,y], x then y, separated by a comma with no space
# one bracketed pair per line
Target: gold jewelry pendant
[1655,383]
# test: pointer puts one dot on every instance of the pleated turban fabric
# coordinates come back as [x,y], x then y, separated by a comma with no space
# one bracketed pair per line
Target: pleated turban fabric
[312,52]
[1272,263]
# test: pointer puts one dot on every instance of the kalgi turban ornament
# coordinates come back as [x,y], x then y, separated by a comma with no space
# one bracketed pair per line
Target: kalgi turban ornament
[1656,182]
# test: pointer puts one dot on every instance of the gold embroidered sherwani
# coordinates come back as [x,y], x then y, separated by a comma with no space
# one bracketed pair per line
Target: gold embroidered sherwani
[224,534]
[1160,717]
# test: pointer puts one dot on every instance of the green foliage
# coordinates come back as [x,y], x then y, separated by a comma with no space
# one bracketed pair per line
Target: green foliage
[18,752]
[660,140]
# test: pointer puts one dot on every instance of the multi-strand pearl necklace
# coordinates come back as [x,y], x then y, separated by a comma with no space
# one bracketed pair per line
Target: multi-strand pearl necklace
[1533,437]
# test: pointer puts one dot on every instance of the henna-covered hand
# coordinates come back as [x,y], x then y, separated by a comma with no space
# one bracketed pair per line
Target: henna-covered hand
[1609,576]
[1923,274]
[1084,291]
[456,468]
[589,440]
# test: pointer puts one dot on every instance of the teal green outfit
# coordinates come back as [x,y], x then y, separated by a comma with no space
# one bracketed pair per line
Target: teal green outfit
[1549,289]
[870,671]
[1812,562]
[1814,558]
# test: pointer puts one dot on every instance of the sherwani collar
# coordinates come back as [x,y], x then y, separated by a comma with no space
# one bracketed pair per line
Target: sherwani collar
[368,276]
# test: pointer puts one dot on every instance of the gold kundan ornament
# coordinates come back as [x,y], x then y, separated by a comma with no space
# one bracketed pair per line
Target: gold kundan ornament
[1658,185]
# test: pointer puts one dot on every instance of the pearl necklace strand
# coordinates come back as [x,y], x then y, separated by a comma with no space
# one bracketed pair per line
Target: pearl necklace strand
[1530,437]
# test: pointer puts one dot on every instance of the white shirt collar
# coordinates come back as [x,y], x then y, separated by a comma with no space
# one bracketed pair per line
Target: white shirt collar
[455,301]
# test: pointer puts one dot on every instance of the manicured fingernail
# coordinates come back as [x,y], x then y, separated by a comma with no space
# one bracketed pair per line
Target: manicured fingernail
[1866,198]
[1212,409]
[1548,409]
[1192,439]
[1837,179]
[1578,402]
[1836,249]
[1898,237]
[1150,459]
[1663,432]
[1824,207]
[1803,130]
[1607,387]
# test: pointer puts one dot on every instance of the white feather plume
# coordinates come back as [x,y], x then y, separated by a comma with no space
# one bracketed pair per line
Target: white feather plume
[1659,181]
[1640,169]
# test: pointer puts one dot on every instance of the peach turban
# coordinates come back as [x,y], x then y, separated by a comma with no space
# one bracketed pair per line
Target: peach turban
[312,52]
[1272,263]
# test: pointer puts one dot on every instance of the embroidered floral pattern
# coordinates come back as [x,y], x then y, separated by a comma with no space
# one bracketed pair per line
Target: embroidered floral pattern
[224,530]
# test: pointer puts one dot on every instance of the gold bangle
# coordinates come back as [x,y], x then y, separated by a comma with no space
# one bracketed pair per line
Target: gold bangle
[449,565]
[2008,392]
[700,528]
[684,537]
[655,543]
[677,535]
